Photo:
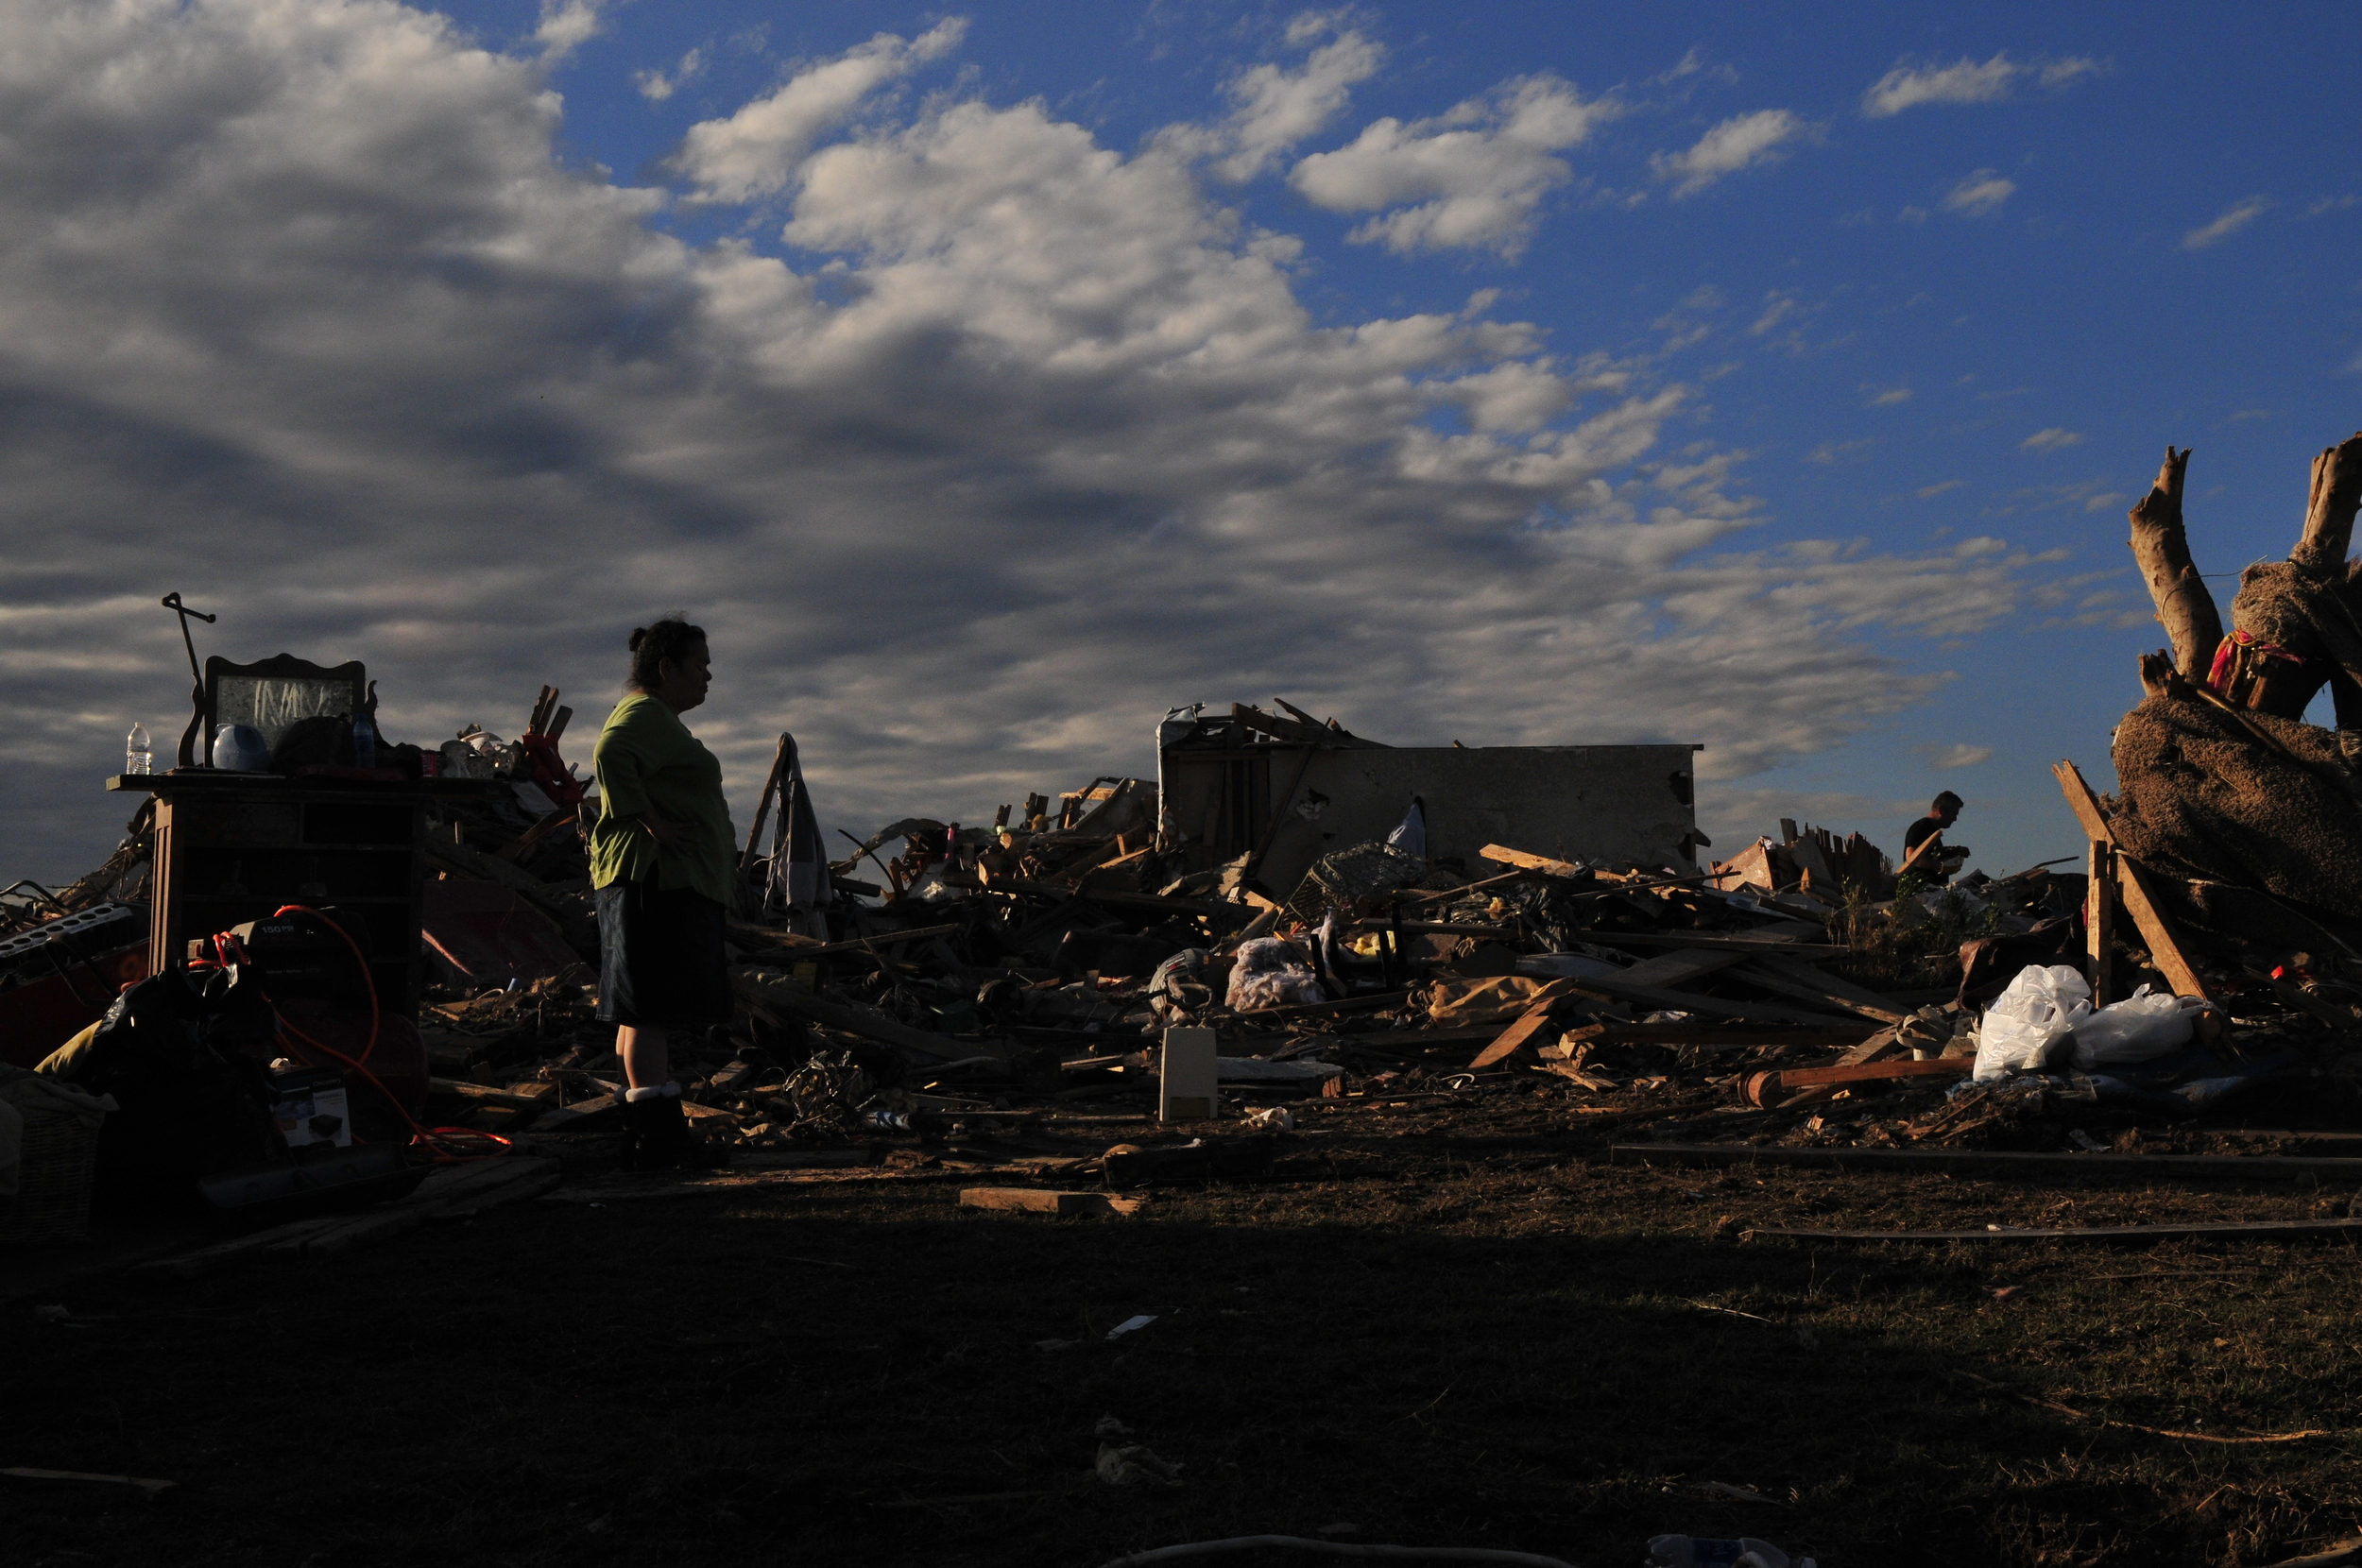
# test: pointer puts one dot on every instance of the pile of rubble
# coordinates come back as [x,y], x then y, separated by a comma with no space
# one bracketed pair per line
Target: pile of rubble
[992,980]
[1025,973]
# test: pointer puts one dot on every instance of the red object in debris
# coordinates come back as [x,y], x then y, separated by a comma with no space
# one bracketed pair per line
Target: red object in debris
[397,1060]
[36,1018]
[549,768]
[492,936]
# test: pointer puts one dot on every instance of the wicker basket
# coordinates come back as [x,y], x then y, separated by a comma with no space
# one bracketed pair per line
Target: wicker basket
[51,1202]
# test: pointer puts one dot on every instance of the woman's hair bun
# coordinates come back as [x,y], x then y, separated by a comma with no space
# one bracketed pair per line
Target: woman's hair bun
[671,637]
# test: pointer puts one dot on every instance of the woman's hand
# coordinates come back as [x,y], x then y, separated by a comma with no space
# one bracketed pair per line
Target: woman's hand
[666,835]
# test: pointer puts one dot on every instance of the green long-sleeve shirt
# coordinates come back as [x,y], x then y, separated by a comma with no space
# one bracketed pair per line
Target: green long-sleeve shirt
[646,760]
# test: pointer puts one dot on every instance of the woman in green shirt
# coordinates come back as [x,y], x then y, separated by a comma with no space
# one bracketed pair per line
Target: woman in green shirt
[663,874]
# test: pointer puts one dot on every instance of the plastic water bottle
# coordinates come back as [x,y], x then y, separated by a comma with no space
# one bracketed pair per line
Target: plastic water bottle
[364,743]
[1692,1551]
[138,756]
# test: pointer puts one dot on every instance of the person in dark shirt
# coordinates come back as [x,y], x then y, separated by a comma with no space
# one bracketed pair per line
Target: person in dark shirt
[1941,813]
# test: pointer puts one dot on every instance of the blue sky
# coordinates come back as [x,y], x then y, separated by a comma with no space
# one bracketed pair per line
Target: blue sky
[1771,379]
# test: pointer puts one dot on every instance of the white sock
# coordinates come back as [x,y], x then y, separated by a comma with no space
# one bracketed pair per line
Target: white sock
[633,1097]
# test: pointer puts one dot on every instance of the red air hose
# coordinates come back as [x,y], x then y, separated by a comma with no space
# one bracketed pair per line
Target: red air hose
[229,949]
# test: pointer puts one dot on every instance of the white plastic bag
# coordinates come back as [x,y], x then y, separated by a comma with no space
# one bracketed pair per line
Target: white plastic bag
[2032,1020]
[2135,1028]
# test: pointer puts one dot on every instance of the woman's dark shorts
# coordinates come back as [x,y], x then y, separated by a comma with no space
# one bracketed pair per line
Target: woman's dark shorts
[660,959]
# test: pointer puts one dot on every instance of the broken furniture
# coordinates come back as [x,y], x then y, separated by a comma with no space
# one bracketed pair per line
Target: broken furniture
[231,849]
[273,695]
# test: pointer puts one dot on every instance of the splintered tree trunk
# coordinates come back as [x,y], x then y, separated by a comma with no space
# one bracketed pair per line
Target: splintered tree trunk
[2163,550]
[2336,493]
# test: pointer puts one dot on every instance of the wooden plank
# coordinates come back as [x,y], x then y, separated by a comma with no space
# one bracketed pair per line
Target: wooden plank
[2084,802]
[1884,1043]
[1763,1084]
[2163,951]
[1681,967]
[1503,855]
[1043,1200]
[1621,990]
[1513,1039]
[1997,1162]
[2251,1230]
[1804,982]
[2100,918]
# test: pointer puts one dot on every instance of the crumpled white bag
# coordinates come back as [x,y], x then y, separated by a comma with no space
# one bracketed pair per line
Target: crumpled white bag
[2140,1026]
[2028,1023]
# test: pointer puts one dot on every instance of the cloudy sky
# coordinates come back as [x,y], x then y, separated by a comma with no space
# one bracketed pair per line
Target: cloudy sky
[988,381]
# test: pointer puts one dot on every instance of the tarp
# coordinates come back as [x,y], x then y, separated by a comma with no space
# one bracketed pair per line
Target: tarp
[799,868]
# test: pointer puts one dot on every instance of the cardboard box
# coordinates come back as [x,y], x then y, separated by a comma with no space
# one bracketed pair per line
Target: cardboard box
[313,1107]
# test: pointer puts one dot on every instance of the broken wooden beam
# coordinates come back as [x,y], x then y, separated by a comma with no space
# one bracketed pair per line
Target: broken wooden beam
[1515,1038]
[1769,1088]
[2131,886]
[1803,982]
[1502,855]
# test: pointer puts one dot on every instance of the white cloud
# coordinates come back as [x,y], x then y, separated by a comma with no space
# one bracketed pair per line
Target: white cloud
[1965,81]
[657,86]
[1057,446]
[1942,487]
[1273,108]
[754,152]
[1959,755]
[566,25]
[1778,306]
[1471,177]
[2056,438]
[2233,219]
[1978,195]
[1739,142]
[1829,454]
[1889,396]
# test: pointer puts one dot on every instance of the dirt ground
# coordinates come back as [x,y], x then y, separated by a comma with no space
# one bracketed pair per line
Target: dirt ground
[1432,1325]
